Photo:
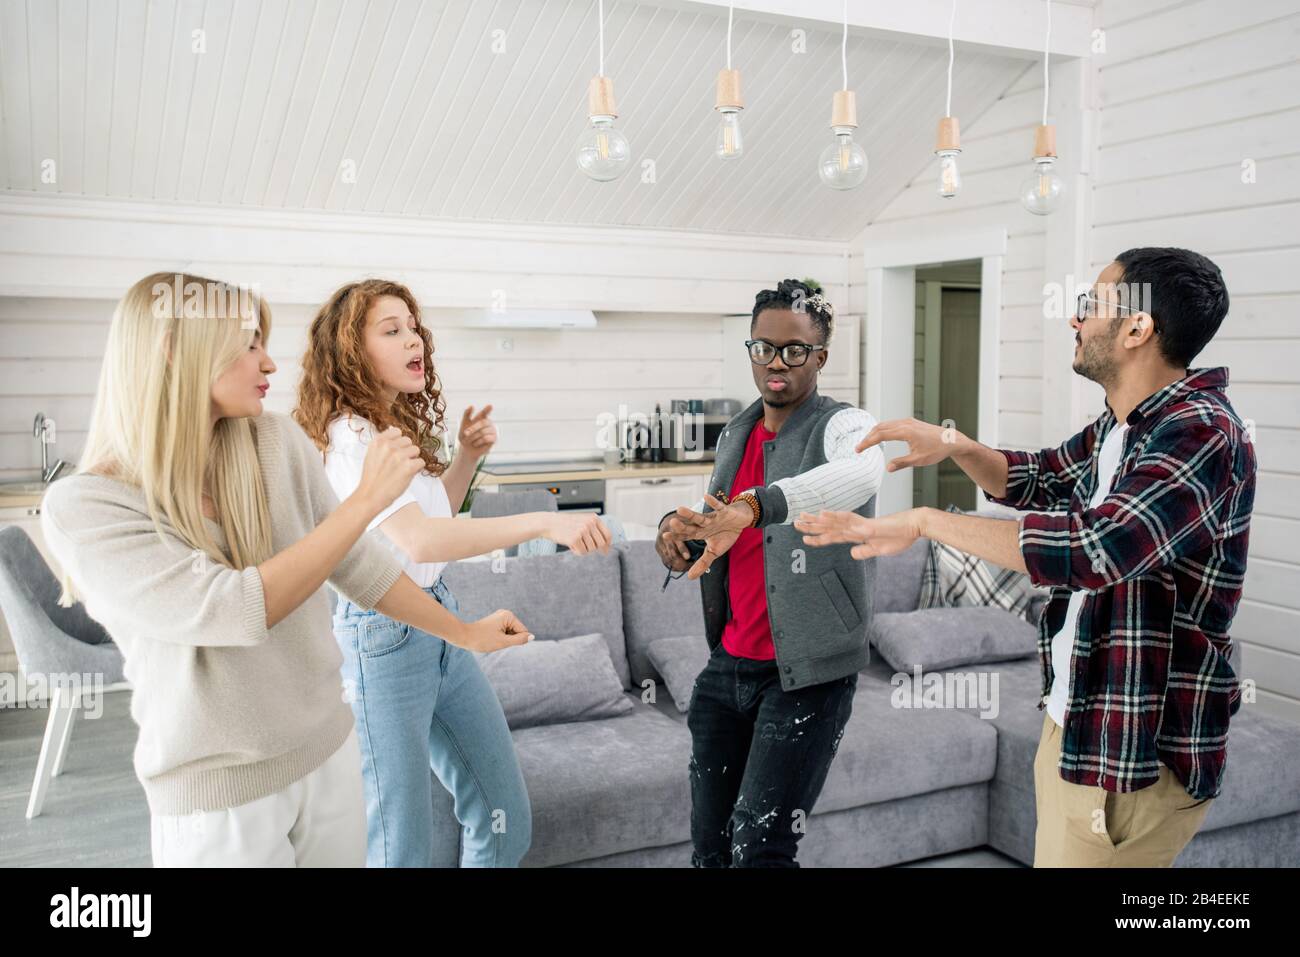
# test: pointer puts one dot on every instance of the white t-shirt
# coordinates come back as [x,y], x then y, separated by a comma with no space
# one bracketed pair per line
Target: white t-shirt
[1063,641]
[349,437]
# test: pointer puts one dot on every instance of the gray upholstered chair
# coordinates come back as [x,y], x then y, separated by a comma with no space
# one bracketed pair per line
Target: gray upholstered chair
[496,504]
[60,646]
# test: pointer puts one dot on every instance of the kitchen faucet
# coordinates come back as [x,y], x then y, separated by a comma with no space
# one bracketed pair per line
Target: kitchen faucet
[43,429]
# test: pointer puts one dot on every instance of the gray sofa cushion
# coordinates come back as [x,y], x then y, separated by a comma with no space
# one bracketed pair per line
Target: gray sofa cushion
[600,787]
[558,596]
[938,638]
[649,611]
[889,752]
[898,578]
[680,661]
[548,682]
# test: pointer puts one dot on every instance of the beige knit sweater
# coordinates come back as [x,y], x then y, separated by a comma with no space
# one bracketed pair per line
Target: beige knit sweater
[228,711]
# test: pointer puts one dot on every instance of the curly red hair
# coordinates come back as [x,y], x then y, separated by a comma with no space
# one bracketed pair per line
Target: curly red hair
[337,377]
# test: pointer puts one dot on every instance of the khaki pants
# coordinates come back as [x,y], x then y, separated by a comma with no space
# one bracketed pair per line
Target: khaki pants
[1088,826]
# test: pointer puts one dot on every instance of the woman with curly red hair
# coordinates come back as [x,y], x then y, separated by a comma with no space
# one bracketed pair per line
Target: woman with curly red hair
[419,701]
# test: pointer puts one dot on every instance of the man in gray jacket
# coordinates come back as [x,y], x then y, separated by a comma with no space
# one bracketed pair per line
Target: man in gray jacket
[786,624]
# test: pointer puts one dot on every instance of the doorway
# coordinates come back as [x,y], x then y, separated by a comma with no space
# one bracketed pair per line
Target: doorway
[894,366]
[946,379]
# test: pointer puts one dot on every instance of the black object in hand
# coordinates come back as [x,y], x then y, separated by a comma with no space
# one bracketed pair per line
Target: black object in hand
[696,547]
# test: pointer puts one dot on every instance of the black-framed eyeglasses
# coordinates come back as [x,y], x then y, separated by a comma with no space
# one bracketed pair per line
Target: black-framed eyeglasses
[672,576]
[761,352]
[1085,308]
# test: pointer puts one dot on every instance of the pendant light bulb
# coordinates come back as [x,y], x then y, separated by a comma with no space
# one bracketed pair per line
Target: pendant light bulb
[603,152]
[729,144]
[1040,192]
[843,164]
[948,142]
[947,146]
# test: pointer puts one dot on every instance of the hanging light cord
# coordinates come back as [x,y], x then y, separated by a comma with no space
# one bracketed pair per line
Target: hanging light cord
[951,17]
[730,9]
[844,46]
[600,15]
[1047,44]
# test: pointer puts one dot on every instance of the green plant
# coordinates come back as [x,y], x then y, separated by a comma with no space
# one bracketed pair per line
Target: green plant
[473,485]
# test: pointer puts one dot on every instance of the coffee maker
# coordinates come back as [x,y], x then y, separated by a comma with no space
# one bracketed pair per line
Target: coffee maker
[688,432]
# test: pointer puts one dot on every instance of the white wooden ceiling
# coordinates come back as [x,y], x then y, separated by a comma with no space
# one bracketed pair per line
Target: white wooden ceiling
[438,124]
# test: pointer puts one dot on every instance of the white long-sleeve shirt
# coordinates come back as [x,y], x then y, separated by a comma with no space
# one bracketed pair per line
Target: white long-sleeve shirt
[845,481]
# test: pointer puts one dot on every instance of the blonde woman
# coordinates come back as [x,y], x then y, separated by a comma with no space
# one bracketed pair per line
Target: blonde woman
[200,530]
[420,702]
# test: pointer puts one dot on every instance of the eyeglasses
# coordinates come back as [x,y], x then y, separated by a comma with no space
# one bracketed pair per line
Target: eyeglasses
[761,352]
[672,576]
[1086,308]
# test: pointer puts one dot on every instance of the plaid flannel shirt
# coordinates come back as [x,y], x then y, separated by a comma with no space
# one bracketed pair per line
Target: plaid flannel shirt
[1163,560]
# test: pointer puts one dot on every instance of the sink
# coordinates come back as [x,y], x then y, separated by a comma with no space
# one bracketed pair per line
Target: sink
[23,488]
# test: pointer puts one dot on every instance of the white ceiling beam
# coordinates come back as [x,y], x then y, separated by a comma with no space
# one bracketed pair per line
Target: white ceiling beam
[1010,27]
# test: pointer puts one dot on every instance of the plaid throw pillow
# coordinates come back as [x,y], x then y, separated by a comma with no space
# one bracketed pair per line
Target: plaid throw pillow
[952,579]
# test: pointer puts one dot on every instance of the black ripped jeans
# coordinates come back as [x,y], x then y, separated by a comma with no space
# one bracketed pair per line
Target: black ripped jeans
[759,757]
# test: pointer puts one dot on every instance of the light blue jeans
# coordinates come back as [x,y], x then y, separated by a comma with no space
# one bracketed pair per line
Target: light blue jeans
[420,704]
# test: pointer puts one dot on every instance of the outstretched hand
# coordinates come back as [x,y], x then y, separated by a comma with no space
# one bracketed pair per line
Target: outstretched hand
[871,537]
[477,433]
[926,444]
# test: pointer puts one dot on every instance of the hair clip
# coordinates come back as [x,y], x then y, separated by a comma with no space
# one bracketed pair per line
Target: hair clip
[820,303]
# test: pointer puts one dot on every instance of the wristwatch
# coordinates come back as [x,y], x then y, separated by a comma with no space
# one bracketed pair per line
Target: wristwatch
[750,499]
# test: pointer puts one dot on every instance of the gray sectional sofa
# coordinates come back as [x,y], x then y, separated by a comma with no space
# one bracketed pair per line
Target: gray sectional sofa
[906,783]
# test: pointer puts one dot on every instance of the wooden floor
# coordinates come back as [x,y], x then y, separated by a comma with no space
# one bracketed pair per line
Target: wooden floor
[95,812]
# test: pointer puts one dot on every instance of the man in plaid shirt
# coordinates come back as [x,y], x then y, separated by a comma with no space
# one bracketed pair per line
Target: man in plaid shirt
[1140,524]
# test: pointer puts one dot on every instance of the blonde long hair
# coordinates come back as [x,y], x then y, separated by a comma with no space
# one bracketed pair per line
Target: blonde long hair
[151,426]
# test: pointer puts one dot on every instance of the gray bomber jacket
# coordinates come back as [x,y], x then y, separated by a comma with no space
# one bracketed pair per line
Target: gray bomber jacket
[819,599]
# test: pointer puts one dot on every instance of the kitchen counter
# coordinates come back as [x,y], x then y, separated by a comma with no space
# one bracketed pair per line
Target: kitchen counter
[598,470]
[21,497]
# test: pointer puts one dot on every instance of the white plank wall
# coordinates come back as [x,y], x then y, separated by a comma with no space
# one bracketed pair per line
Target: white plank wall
[659,297]
[996,147]
[548,388]
[1189,92]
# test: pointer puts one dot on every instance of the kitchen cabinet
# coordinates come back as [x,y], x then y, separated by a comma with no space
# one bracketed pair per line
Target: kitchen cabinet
[643,501]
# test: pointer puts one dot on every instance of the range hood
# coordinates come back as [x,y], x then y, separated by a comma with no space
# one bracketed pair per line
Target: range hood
[532,319]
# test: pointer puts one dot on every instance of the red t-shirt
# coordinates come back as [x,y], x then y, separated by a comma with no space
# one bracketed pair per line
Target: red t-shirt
[748,634]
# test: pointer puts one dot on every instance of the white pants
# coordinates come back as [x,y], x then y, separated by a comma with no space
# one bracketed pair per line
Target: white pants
[318,821]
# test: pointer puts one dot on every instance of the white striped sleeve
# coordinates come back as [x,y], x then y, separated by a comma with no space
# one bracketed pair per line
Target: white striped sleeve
[847,479]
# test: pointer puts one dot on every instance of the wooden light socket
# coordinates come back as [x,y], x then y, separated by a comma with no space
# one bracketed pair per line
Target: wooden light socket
[844,109]
[600,97]
[949,135]
[729,91]
[1045,141]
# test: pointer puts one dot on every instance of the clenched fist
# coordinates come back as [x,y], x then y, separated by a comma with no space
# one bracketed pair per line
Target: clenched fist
[392,460]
